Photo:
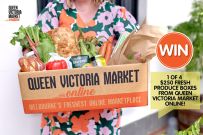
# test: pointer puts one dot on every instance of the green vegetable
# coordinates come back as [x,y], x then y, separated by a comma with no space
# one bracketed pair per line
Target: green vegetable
[87,45]
[194,129]
[45,47]
[32,37]
[92,49]
[83,48]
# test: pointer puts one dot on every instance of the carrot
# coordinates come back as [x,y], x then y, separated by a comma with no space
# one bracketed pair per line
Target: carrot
[108,52]
[102,49]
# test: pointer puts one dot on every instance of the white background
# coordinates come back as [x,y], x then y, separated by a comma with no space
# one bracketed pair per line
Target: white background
[12,119]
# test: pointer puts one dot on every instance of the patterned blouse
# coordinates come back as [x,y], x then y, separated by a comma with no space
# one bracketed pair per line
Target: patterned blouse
[110,21]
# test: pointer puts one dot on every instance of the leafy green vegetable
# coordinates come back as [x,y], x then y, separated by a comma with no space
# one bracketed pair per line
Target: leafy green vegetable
[87,45]
[194,129]
[44,48]
[83,48]
[33,38]
[92,49]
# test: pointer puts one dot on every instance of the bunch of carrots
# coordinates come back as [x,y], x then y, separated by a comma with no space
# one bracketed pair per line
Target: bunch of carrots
[106,50]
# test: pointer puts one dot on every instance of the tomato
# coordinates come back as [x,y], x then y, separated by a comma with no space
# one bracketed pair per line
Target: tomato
[56,64]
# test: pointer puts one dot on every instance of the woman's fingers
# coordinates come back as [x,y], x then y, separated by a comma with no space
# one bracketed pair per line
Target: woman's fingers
[138,57]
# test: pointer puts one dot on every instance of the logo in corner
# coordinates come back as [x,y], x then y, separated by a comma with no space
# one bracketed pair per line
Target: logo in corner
[14,13]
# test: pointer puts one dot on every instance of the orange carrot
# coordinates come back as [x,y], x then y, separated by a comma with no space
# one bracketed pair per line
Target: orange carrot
[108,52]
[102,49]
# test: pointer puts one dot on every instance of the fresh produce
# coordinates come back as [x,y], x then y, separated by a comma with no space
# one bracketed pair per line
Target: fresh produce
[31,64]
[32,38]
[106,50]
[60,40]
[108,53]
[65,42]
[67,45]
[88,45]
[83,48]
[56,64]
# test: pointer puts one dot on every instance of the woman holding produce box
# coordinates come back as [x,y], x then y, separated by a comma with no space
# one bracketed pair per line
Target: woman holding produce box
[96,18]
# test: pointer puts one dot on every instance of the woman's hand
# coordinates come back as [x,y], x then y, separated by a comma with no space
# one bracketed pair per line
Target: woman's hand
[141,58]
[138,57]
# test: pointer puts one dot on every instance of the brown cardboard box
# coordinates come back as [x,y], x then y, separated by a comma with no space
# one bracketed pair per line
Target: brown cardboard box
[84,89]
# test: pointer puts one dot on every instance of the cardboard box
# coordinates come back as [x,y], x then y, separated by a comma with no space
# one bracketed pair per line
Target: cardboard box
[85,88]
